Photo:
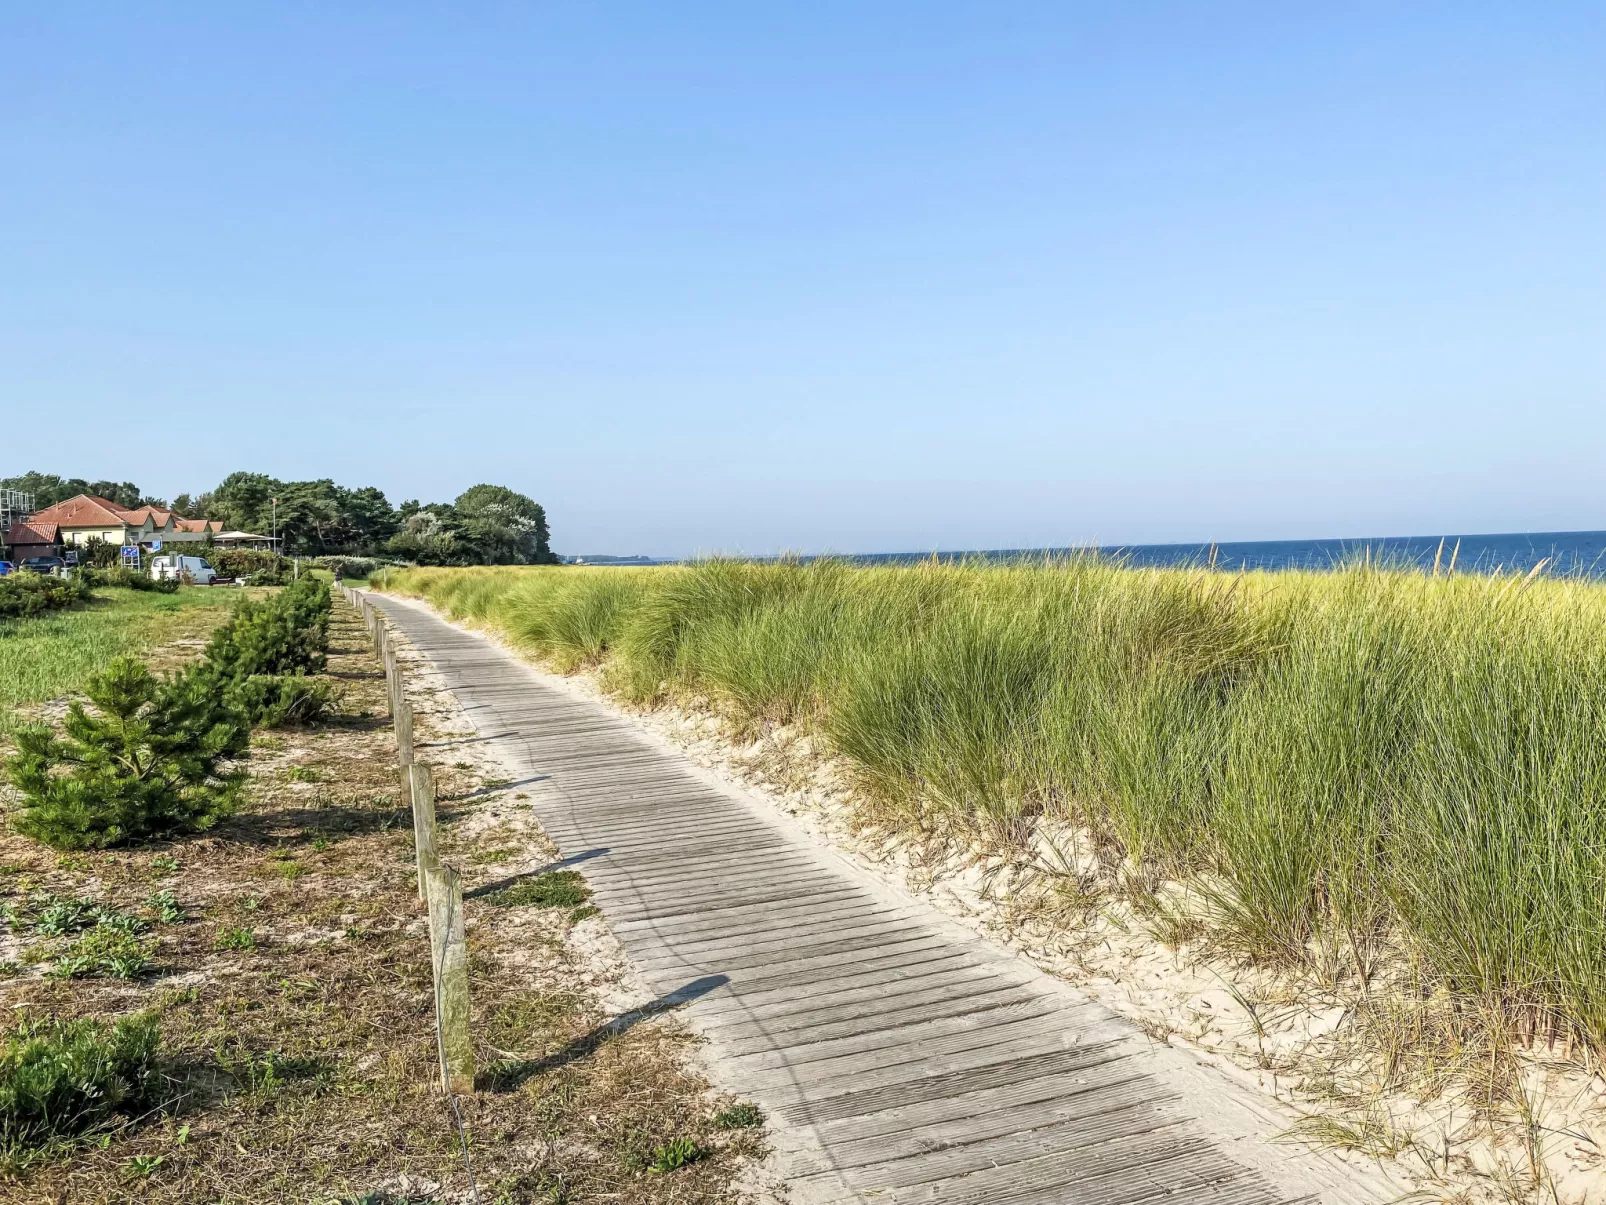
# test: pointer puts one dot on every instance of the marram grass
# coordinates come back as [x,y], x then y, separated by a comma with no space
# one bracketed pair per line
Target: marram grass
[1365,751]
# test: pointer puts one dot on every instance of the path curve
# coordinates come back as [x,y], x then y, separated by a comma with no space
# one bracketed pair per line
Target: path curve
[900,1057]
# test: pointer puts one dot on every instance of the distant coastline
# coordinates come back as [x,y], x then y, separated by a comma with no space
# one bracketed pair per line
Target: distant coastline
[1572,553]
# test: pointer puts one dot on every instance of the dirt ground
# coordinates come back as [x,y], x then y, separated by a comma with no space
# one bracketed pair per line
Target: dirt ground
[290,969]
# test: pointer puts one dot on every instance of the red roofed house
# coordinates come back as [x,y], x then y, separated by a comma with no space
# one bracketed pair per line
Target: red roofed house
[86,517]
[29,538]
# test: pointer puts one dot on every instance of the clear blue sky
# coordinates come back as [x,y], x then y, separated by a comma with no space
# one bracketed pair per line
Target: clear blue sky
[835,276]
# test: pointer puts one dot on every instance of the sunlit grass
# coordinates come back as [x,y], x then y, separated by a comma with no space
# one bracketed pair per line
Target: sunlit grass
[1366,751]
[52,655]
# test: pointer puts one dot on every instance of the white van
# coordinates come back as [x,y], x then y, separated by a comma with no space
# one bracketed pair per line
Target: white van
[170,564]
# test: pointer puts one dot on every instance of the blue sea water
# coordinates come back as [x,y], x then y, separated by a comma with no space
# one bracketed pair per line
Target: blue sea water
[1574,553]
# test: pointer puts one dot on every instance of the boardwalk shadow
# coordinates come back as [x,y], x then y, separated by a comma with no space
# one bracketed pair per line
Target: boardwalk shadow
[494,788]
[560,864]
[512,1074]
[463,740]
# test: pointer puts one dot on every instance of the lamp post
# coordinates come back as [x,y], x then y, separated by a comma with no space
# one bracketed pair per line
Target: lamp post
[274,529]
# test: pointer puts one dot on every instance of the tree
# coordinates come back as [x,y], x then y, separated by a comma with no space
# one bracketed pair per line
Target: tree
[315,518]
[505,527]
[428,536]
[154,759]
[48,489]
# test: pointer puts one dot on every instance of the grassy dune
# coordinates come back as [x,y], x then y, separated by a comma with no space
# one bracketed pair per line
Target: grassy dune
[1357,759]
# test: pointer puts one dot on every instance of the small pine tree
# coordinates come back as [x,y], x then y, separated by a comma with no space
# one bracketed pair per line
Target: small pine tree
[151,761]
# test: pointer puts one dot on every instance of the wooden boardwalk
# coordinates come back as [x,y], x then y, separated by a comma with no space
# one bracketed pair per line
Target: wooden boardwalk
[900,1058]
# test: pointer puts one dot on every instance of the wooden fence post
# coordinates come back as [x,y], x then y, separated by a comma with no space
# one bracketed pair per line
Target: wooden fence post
[421,784]
[393,686]
[449,949]
[404,735]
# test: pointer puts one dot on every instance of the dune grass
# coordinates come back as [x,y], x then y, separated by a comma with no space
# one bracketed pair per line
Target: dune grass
[1366,754]
[47,656]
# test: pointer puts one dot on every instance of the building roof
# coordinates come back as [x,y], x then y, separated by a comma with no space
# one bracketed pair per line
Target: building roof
[85,510]
[31,531]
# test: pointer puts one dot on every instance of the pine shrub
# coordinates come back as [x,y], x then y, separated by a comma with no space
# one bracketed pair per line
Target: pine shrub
[62,1079]
[152,760]
[23,595]
[285,634]
[258,662]
[282,700]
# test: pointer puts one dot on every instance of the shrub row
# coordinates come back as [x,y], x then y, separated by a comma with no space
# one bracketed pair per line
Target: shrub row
[258,564]
[158,756]
[26,594]
[123,578]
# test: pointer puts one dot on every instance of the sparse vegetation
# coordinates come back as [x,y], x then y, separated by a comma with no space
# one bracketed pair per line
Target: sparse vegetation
[106,951]
[674,1155]
[240,937]
[304,1069]
[741,1116]
[554,889]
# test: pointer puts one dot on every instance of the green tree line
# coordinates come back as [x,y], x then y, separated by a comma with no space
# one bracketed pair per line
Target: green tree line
[484,525]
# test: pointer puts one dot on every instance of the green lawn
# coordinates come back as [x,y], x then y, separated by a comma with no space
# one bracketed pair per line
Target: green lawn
[49,656]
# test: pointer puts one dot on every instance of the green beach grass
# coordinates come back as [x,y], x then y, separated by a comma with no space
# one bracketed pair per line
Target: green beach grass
[1355,759]
[51,655]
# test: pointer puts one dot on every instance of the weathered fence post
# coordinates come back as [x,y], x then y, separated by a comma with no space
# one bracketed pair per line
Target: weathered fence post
[393,684]
[449,947]
[388,663]
[404,735]
[421,785]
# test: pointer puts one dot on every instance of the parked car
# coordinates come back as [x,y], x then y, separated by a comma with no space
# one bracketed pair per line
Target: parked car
[43,564]
[170,564]
[6,567]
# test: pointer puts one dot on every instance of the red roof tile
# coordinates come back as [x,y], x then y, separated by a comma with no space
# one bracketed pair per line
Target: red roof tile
[31,532]
[85,510]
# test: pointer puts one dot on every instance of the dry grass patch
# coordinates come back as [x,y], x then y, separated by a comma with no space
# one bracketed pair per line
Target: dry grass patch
[288,960]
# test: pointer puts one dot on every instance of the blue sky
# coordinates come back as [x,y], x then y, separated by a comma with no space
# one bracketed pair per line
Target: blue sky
[837,276]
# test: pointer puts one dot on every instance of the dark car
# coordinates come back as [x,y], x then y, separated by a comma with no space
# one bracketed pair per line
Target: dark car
[43,564]
[5,568]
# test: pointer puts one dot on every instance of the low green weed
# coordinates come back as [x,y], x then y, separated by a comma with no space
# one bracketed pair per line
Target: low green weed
[741,1116]
[674,1155]
[104,952]
[263,1073]
[240,938]
[142,1167]
[166,906]
[554,889]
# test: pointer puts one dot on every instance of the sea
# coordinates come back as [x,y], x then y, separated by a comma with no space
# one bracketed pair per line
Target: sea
[1563,553]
